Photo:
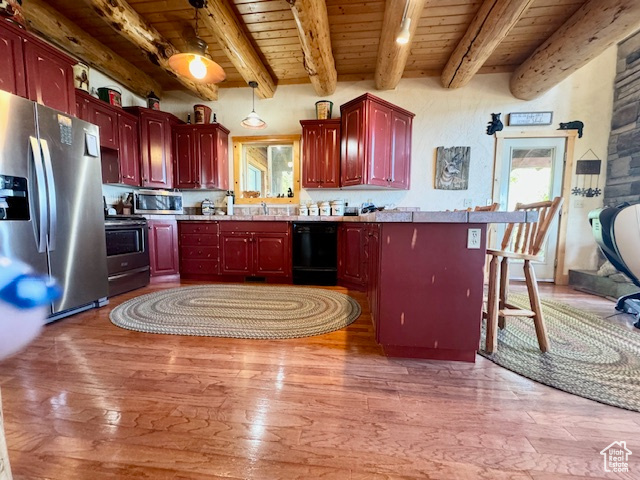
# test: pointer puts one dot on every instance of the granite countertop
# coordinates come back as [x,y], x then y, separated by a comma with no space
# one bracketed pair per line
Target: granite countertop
[376,217]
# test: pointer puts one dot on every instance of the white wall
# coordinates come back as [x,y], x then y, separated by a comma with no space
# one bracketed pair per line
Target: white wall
[443,118]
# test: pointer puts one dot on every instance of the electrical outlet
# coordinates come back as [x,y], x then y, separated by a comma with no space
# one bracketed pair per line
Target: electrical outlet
[467,202]
[473,238]
[579,203]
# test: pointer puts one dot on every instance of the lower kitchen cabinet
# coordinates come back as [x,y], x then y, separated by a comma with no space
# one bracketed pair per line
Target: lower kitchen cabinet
[351,255]
[255,249]
[372,250]
[199,252]
[163,247]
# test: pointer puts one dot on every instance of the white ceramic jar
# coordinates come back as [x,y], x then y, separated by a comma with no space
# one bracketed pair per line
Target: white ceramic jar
[325,209]
[303,210]
[337,207]
[313,209]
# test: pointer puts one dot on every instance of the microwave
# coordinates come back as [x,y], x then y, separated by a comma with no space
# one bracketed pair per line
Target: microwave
[157,202]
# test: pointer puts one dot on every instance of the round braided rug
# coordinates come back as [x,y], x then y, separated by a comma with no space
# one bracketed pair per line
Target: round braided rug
[588,356]
[238,311]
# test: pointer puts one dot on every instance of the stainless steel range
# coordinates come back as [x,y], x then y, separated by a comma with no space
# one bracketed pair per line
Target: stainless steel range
[127,253]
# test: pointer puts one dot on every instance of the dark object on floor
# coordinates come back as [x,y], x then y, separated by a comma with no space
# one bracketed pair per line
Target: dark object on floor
[589,356]
[574,125]
[617,233]
[495,125]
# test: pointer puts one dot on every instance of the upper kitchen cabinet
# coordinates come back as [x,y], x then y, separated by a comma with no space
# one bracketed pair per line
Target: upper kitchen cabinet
[320,153]
[376,143]
[201,156]
[34,69]
[118,138]
[155,146]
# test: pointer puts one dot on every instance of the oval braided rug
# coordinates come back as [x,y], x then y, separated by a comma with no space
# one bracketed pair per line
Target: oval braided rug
[238,311]
[588,356]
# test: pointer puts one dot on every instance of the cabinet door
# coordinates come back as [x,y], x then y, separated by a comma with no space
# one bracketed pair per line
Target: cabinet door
[222,159]
[380,147]
[12,77]
[235,253]
[207,149]
[272,254]
[312,156]
[107,119]
[350,243]
[129,154]
[352,146]
[82,108]
[185,159]
[155,151]
[330,156]
[400,162]
[49,78]
[163,247]
[373,275]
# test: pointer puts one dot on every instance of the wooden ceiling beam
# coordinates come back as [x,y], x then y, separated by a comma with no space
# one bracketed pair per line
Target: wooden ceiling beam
[392,57]
[69,36]
[312,22]
[120,16]
[597,25]
[491,25]
[220,19]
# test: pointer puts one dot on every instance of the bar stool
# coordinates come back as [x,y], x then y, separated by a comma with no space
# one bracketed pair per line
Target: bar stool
[525,245]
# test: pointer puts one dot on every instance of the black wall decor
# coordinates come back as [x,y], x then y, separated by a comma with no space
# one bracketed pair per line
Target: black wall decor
[573,125]
[588,171]
[495,125]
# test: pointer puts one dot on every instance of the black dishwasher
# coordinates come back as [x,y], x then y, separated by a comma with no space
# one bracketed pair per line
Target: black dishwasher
[315,253]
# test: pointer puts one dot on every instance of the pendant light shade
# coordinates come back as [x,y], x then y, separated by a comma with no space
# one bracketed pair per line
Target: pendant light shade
[253,121]
[404,34]
[195,64]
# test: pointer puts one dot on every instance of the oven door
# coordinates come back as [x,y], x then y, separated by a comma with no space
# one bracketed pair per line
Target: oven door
[126,247]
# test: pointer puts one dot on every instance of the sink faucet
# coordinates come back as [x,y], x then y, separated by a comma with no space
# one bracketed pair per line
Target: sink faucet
[264,208]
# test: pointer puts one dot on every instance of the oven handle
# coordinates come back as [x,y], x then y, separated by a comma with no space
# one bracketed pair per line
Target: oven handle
[129,272]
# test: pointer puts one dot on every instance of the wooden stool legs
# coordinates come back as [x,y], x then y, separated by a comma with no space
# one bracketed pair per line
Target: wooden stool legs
[497,303]
[536,306]
[492,306]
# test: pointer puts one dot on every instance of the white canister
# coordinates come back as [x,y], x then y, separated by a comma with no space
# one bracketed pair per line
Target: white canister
[303,210]
[313,209]
[337,207]
[325,209]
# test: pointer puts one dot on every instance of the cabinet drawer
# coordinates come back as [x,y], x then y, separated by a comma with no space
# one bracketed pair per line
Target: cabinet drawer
[254,227]
[199,266]
[198,227]
[205,253]
[194,239]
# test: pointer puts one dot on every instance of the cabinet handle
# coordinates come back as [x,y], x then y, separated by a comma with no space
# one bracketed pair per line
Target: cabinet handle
[359,177]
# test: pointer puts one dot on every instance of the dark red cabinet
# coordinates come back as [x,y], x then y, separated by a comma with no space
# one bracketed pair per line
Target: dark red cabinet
[34,69]
[351,254]
[321,153]
[163,247]
[104,116]
[201,156]
[199,249]
[129,151]
[49,76]
[156,158]
[12,74]
[255,249]
[375,143]
[372,251]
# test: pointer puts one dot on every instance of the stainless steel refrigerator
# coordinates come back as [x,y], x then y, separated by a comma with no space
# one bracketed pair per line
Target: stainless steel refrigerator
[51,210]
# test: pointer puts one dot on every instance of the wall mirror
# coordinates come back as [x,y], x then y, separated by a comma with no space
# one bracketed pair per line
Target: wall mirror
[267,169]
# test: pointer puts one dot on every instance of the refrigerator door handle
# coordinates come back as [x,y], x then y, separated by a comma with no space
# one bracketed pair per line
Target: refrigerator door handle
[41,234]
[51,191]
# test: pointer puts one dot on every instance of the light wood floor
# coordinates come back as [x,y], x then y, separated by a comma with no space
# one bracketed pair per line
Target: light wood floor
[88,400]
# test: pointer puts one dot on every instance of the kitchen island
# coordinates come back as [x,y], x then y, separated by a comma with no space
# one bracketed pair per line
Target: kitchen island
[423,271]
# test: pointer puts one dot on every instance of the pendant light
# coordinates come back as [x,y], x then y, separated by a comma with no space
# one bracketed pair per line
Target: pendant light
[404,34]
[196,64]
[253,121]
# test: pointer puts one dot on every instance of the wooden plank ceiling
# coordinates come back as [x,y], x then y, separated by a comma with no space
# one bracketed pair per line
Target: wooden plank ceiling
[355,30]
